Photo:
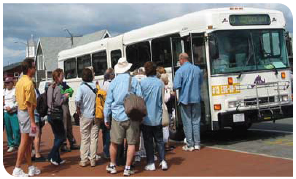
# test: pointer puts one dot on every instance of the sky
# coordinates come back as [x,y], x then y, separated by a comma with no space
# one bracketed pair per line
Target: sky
[50,20]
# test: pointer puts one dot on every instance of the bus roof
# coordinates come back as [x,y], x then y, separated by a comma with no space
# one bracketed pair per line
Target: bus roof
[197,22]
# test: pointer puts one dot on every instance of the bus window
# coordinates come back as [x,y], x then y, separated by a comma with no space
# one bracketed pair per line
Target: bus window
[70,68]
[161,52]
[83,61]
[138,54]
[199,51]
[115,55]
[99,62]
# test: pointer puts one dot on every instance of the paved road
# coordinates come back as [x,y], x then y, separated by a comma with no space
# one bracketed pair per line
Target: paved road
[267,138]
[217,158]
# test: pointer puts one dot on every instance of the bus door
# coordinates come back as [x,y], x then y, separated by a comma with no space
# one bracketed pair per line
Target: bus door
[176,128]
[198,56]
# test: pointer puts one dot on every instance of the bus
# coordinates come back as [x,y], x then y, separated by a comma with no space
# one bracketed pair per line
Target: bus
[241,52]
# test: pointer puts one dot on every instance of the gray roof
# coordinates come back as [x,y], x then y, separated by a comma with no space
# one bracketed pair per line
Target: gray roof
[51,46]
[11,66]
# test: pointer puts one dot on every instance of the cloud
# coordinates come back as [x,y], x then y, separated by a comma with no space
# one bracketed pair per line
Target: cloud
[49,20]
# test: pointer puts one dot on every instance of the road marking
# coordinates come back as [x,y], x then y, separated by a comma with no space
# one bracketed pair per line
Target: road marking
[265,155]
[266,130]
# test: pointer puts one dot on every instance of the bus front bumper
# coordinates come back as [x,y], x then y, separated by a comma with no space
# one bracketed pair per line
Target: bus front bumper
[235,118]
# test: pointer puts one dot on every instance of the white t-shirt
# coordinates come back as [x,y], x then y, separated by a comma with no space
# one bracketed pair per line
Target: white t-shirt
[9,99]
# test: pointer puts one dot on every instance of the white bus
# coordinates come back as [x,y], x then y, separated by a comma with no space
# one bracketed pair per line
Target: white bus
[241,51]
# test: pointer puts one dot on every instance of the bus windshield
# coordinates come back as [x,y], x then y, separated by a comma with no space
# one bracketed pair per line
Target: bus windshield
[247,50]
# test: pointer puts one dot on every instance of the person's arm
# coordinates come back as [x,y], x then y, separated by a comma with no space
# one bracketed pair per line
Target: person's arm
[59,99]
[177,81]
[107,106]
[31,109]
[136,87]
[78,101]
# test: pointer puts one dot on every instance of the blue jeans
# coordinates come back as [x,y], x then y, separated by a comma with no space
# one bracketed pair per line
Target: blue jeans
[12,129]
[150,133]
[106,138]
[58,130]
[190,115]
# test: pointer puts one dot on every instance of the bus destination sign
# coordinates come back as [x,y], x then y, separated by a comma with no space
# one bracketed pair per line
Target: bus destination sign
[253,19]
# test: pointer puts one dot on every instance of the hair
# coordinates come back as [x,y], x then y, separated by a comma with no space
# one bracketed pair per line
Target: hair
[108,73]
[184,56]
[27,64]
[56,74]
[164,78]
[150,68]
[160,70]
[135,72]
[87,75]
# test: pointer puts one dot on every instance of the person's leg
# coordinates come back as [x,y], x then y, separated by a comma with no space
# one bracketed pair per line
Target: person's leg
[148,143]
[113,152]
[69,129]
[29,151]
[37,142]
[196,115]
[186,119]
[94,135]
[106,139]
[158,138]
[15,130]
[53,155]
[25,141]
[8,128]
[85,129]
[131,149]
[61,138]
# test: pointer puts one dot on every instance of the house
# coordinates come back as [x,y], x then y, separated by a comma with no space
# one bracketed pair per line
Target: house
[49,47]
[13,70]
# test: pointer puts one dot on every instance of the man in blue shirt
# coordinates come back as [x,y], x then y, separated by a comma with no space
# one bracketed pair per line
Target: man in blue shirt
[188,80]
[122,127]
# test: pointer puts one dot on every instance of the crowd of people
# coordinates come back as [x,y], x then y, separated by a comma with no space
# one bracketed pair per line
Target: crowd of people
[102,105]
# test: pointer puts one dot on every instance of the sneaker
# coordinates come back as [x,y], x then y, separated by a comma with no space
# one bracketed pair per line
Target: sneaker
[54,162]
[64,148]
[197,147]
[39,159]
[32,170]
[164,165]
[111,169]
[150,167]
[97,157]
[10,149]
[18,172]
[93,163]
[62,162]
[186,148]
[137,158]
[82,164]
[74,147]
[128,172]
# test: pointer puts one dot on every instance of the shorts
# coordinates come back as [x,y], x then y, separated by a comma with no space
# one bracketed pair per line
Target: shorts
[24,121]
[125,129]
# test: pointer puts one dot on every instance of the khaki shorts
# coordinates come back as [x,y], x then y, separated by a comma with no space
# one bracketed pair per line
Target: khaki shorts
[126,129]
[24,121]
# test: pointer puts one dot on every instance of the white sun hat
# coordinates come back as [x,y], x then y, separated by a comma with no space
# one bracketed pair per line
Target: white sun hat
[122,66]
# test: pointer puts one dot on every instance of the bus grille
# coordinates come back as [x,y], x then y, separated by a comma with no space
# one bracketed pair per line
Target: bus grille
[262,101]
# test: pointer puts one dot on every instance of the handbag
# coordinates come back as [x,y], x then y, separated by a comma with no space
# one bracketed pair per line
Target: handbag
[56,114]
[134,106]
[165,113]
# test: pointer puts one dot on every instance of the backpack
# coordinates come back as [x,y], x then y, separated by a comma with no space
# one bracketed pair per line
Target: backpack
[42,107]
[100,102]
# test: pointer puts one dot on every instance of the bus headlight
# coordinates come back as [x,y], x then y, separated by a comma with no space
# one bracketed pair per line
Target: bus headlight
[285,98]
[231,104]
